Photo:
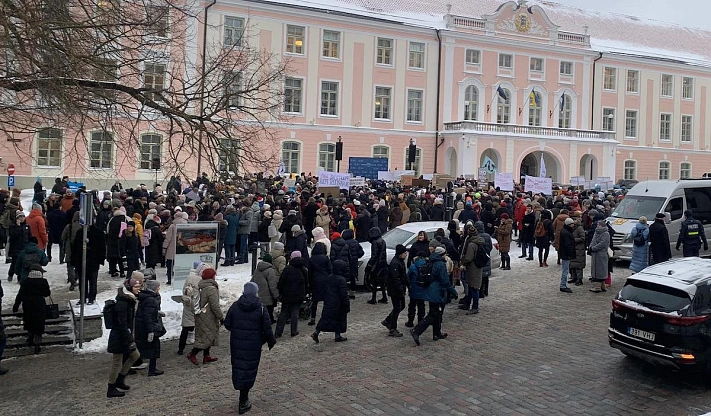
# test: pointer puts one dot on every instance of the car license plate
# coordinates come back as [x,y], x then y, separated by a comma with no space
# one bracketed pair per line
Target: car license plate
[641,334]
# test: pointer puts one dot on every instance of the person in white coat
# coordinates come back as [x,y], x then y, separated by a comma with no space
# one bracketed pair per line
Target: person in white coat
[191,302]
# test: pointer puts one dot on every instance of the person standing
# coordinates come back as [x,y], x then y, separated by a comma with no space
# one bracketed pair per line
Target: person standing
[130,248]
[243,232]
[95,255]
[250,327]
[121,342]
[319,270]
[18,235]
[528,225]
[659,247]
[267,280]
[323,219]
[577,265]
[377,268]
[691,235]
[336,305]
[169,244]
[566,252]
[31,254]
[544,234]
[558,224]
[472,244]
[486,270]
[278,258]
[116,224]
[191,304]
[397,277]
[232,220]
[38,225]
[640,245]
[32,292]
[67,240]
[599,257]
[355,251]
[207,322]
[149,325]
[503,236]
[298,242]
[292,289]
[3,334]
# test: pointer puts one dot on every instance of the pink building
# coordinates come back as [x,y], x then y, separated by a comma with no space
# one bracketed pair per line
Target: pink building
[512,83]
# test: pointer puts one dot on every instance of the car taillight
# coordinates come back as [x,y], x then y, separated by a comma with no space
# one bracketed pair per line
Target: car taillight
[687,320]
[617,305]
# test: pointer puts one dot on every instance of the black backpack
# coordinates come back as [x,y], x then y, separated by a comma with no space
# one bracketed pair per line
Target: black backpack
[109,313]
[481,259]
[424,275]
[30,259]
[638,239]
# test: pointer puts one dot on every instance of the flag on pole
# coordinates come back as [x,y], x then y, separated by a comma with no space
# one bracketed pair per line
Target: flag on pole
[501,93]
[542,172]
[533,98]
[562,102]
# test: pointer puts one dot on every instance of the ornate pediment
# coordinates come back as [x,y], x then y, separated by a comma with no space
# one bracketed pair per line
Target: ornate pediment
[517,18]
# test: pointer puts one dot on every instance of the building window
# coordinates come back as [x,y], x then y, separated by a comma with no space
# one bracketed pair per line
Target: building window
[505,61]
[49,147]
[385,51]
[632,81]
[503,108]
[608,119]
[667,85]
[534,109]
[414,105]
[630,169]
[331,44]
[471,103]
[229,155]
[417,55]
[154,79]
[329,98]
[536,65]
[234,30]
[295,39]
[473,57]
[664,170]
[417,163]
[566,68]
[610,79]
[158,20]
[566,112]
[686,128]
[101,150]
[327,157]
[233,89]
[382,103]
[685,170]
[290,155]
[150,149]
[381,152]
[665,126]
[687,88]
[631,124]
[293,90]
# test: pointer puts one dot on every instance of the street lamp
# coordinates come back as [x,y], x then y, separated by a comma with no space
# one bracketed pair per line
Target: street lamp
[339,154]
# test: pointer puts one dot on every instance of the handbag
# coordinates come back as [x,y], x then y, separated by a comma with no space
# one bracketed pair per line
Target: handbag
[51,310]
[610,253]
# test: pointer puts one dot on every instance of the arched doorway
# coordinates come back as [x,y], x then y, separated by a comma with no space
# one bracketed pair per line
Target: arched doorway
[491,159]
[531,165]
[588,167]
[450,162]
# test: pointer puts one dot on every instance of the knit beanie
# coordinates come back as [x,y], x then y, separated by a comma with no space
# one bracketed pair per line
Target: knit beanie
[208,274]
[152,285]
[267,258]
[251,288]
[201,268]
[295,254]
[279,246]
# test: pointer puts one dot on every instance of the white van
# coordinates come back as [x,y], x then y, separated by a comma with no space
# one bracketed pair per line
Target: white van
[670,197]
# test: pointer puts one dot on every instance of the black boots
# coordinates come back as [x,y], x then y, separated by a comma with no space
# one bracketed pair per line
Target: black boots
[121,383]
[244,407]
[112,391]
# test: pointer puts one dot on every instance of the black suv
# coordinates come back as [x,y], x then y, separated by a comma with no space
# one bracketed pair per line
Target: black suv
[663,315]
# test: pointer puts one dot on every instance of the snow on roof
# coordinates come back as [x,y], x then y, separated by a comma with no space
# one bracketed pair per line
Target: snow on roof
[609,32]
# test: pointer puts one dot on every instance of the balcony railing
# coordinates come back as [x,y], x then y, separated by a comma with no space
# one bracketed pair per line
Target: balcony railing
[478,126]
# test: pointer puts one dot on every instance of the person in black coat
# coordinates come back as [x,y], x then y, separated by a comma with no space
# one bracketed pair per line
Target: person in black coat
[544,242]
[18,235]
[336,305]
[436,213]
[355,251]
[362,223]
[339,249]
[397,283]
[488,218]
[121,342]
[566,252]
[104,215]
[113,251]
[659,246]
[130,247]
[95,256]
[250,327]
[292,289]
[422,243]
[149,325]
[310,218]
[32,292]
[55,219]
[528,233]
[287,224]
[297,242]
[319,270]
[154,249]
[382,213]
[377,269]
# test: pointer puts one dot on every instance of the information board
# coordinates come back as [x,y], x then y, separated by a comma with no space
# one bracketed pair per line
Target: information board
[367,167]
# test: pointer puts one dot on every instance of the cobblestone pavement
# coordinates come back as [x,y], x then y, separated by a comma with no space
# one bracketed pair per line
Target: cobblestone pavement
[531,350]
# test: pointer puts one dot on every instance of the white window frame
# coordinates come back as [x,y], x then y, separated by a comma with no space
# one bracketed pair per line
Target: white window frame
[420,115]
[629,172]
[331,43]
[91,150]
[535,111]
[566,113]
[564,64]
[413,55]
[389,105]
[666,83]
[236,32]
[504,56]
[299,153]
[301,95]
[474,53]
[335,101]
[608,123]
[417,164]
[687,88]
[295,47]
[227,160]
[470,110]
[632,82]
[627,123]
[609,79]
[49,143]
[687,128]
[685,172]
[150,153]
[537,60]
[384,56]
[380,156]
[503,107]
[152,76]
[665,127]
[232,98]
[150,14]
[325,156]
[664,173]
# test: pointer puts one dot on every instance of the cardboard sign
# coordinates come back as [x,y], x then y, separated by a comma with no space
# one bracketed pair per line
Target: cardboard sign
[330,190]
[341,180]
[421,183]
[406,180]
[504,181]
[539,185]
[357,181]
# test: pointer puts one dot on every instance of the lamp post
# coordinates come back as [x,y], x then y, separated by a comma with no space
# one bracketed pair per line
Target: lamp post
[339,154]
[411,153]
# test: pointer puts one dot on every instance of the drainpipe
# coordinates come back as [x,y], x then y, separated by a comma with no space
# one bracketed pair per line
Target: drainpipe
[592,104]
[202,82]
[438,142]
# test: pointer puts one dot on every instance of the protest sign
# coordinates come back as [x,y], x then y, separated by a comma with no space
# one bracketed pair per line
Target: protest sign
[357,181]
[406,180]
[539,185]
[504,181]
[385,176]
[341,180]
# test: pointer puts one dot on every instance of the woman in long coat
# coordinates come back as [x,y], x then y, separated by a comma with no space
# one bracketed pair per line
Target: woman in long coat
[265,276]
[207,322]
[169,243]
[503,236]
[250,327]
[598,252]
[640,253]
[319,271]
[32,292]
[578,264]
[149,325]
[336,305]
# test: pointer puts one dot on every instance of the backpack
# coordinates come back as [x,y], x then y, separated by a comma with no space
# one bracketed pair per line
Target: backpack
[424,275]
[638,239]
[540,229]
[481,259]
[109,313]
[7,218]
[146,239]
[30,259]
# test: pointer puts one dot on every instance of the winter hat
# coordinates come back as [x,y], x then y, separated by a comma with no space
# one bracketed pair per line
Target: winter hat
[130,224]
[37,206]
[399,249]
[569,221]
[279,246]
[356,203]
[177,215]
[267,258]
[335,236]
[152,285]
[318,233]
[440,250]
[251,288]
[267,207]
[267,214]
[208,274]
[660,215]
[473,231]
[292,211]
[504,216]
[20,214]
[201,268]
[178,208]
[295,228]
[184,215]
[688,213]
[434,244]
[295,254]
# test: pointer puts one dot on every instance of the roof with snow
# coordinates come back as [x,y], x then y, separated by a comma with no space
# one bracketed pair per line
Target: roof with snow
[609,32]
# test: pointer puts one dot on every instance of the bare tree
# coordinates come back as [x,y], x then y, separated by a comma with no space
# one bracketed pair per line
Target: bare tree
[105,72]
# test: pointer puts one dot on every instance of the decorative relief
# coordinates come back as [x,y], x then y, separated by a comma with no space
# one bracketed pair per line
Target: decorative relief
[522,23]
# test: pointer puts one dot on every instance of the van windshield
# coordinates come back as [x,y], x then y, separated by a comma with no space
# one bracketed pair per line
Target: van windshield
[632,207]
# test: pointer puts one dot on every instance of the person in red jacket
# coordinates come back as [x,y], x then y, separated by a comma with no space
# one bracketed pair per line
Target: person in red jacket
[38,226]
[519,212]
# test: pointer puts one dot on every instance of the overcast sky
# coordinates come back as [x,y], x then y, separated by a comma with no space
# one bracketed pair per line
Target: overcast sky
[692,13]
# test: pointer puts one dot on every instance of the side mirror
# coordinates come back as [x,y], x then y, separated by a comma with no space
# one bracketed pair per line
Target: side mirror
[667,218]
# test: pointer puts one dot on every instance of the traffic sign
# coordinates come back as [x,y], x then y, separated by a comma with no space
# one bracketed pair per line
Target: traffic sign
[10,181]
[10,169]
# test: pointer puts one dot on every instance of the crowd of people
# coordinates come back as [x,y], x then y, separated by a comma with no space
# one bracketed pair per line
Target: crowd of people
[310,246]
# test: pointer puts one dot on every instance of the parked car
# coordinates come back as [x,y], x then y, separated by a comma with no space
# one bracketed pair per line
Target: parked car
[406,234]
[662,315]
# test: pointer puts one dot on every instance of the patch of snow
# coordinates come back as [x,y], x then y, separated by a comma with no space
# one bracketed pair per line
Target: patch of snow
[634,305]
[616,46]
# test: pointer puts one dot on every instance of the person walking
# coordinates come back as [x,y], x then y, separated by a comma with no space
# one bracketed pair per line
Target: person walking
[472,244]
[67,240]
[18,236]
[250,327]
[355,251]
[659,247]
[130,248]
[640,245]
[30,255]
[691,235]
[599,257]
[292,289]
[149,325]
[3,334]
[169,243]
[396,284]
[336,305]
[243,232]
[267,280]
[32,292]
[121,341]
[207,322]
[503,236]
[377,267]
[191,304]
[566,252]
[319,270]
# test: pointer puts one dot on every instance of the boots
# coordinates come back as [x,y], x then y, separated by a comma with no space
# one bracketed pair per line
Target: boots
[37,349]
[112,391]
[372,301]
[192,358]
[207,359]
[409,322]
[121,383]
[383,300]
[244,407]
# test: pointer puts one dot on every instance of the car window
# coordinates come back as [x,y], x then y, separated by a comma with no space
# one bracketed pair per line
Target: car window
[430,235]
[396,236]
[698,200]
[654,296]
[675,208]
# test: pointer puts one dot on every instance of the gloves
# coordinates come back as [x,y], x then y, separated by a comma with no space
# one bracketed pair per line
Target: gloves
[706,247]
[150,336]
